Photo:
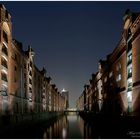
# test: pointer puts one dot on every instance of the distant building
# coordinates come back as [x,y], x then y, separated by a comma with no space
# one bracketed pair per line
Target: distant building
[65,94]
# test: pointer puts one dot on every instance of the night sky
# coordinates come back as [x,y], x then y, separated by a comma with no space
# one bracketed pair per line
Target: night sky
[69,38]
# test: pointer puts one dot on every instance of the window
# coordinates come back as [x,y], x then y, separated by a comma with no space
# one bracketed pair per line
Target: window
[30,64]
[30,73]
[4,77]
[4,62]
[129,59]
[105,79]
[30,81]
[129,72]
[110,74]
[30,89]
[129,33]
[3,90]
[4,50]
[118,78]
[129,48]
[15,56]
[6,14]
[5,36]
[129,82]
[129,96]
[24,66]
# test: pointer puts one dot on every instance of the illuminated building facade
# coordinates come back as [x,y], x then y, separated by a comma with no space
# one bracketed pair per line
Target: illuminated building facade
[115,88]
[23,87]
[65,94]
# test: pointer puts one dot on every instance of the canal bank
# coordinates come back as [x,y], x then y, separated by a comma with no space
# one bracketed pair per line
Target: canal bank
[28,128]
[109,127]
[7,121]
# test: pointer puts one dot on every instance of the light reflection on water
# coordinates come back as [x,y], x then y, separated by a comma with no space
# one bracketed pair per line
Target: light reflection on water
[66,127]
[64,133]
[72,126]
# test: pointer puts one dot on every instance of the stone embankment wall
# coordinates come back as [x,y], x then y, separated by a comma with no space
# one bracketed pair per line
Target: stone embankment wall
[33,117]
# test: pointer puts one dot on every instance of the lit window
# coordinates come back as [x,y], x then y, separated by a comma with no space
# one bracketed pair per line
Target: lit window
[105,79]
[118,78]
[118,67]
[3,90]
[129,58]
[129,80]
[129,84]
[129,96]
[129,72]
[5,44]
[110,74]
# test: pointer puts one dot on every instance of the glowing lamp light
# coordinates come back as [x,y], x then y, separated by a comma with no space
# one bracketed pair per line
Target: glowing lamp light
[63,90]
[129,96]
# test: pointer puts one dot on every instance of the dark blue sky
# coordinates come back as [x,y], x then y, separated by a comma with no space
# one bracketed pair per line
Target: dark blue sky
[69,38]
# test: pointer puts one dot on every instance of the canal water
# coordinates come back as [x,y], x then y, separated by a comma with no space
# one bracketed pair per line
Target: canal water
[70,126]
[64,127]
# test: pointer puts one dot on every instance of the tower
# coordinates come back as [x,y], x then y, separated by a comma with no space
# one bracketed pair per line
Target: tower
[65,94]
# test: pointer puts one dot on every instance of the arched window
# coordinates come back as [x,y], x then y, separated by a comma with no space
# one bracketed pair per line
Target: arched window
[4,77]
[4,90]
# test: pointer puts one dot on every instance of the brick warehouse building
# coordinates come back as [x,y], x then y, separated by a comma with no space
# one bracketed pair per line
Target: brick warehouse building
[115,88]
[23,87]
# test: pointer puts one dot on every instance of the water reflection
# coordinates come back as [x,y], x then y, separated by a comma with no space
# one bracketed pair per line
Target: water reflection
[85,128]
[71,126]
[64,133]
[65,127]
[58,129]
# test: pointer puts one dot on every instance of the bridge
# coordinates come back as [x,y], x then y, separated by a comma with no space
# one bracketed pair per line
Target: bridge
[71,111]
